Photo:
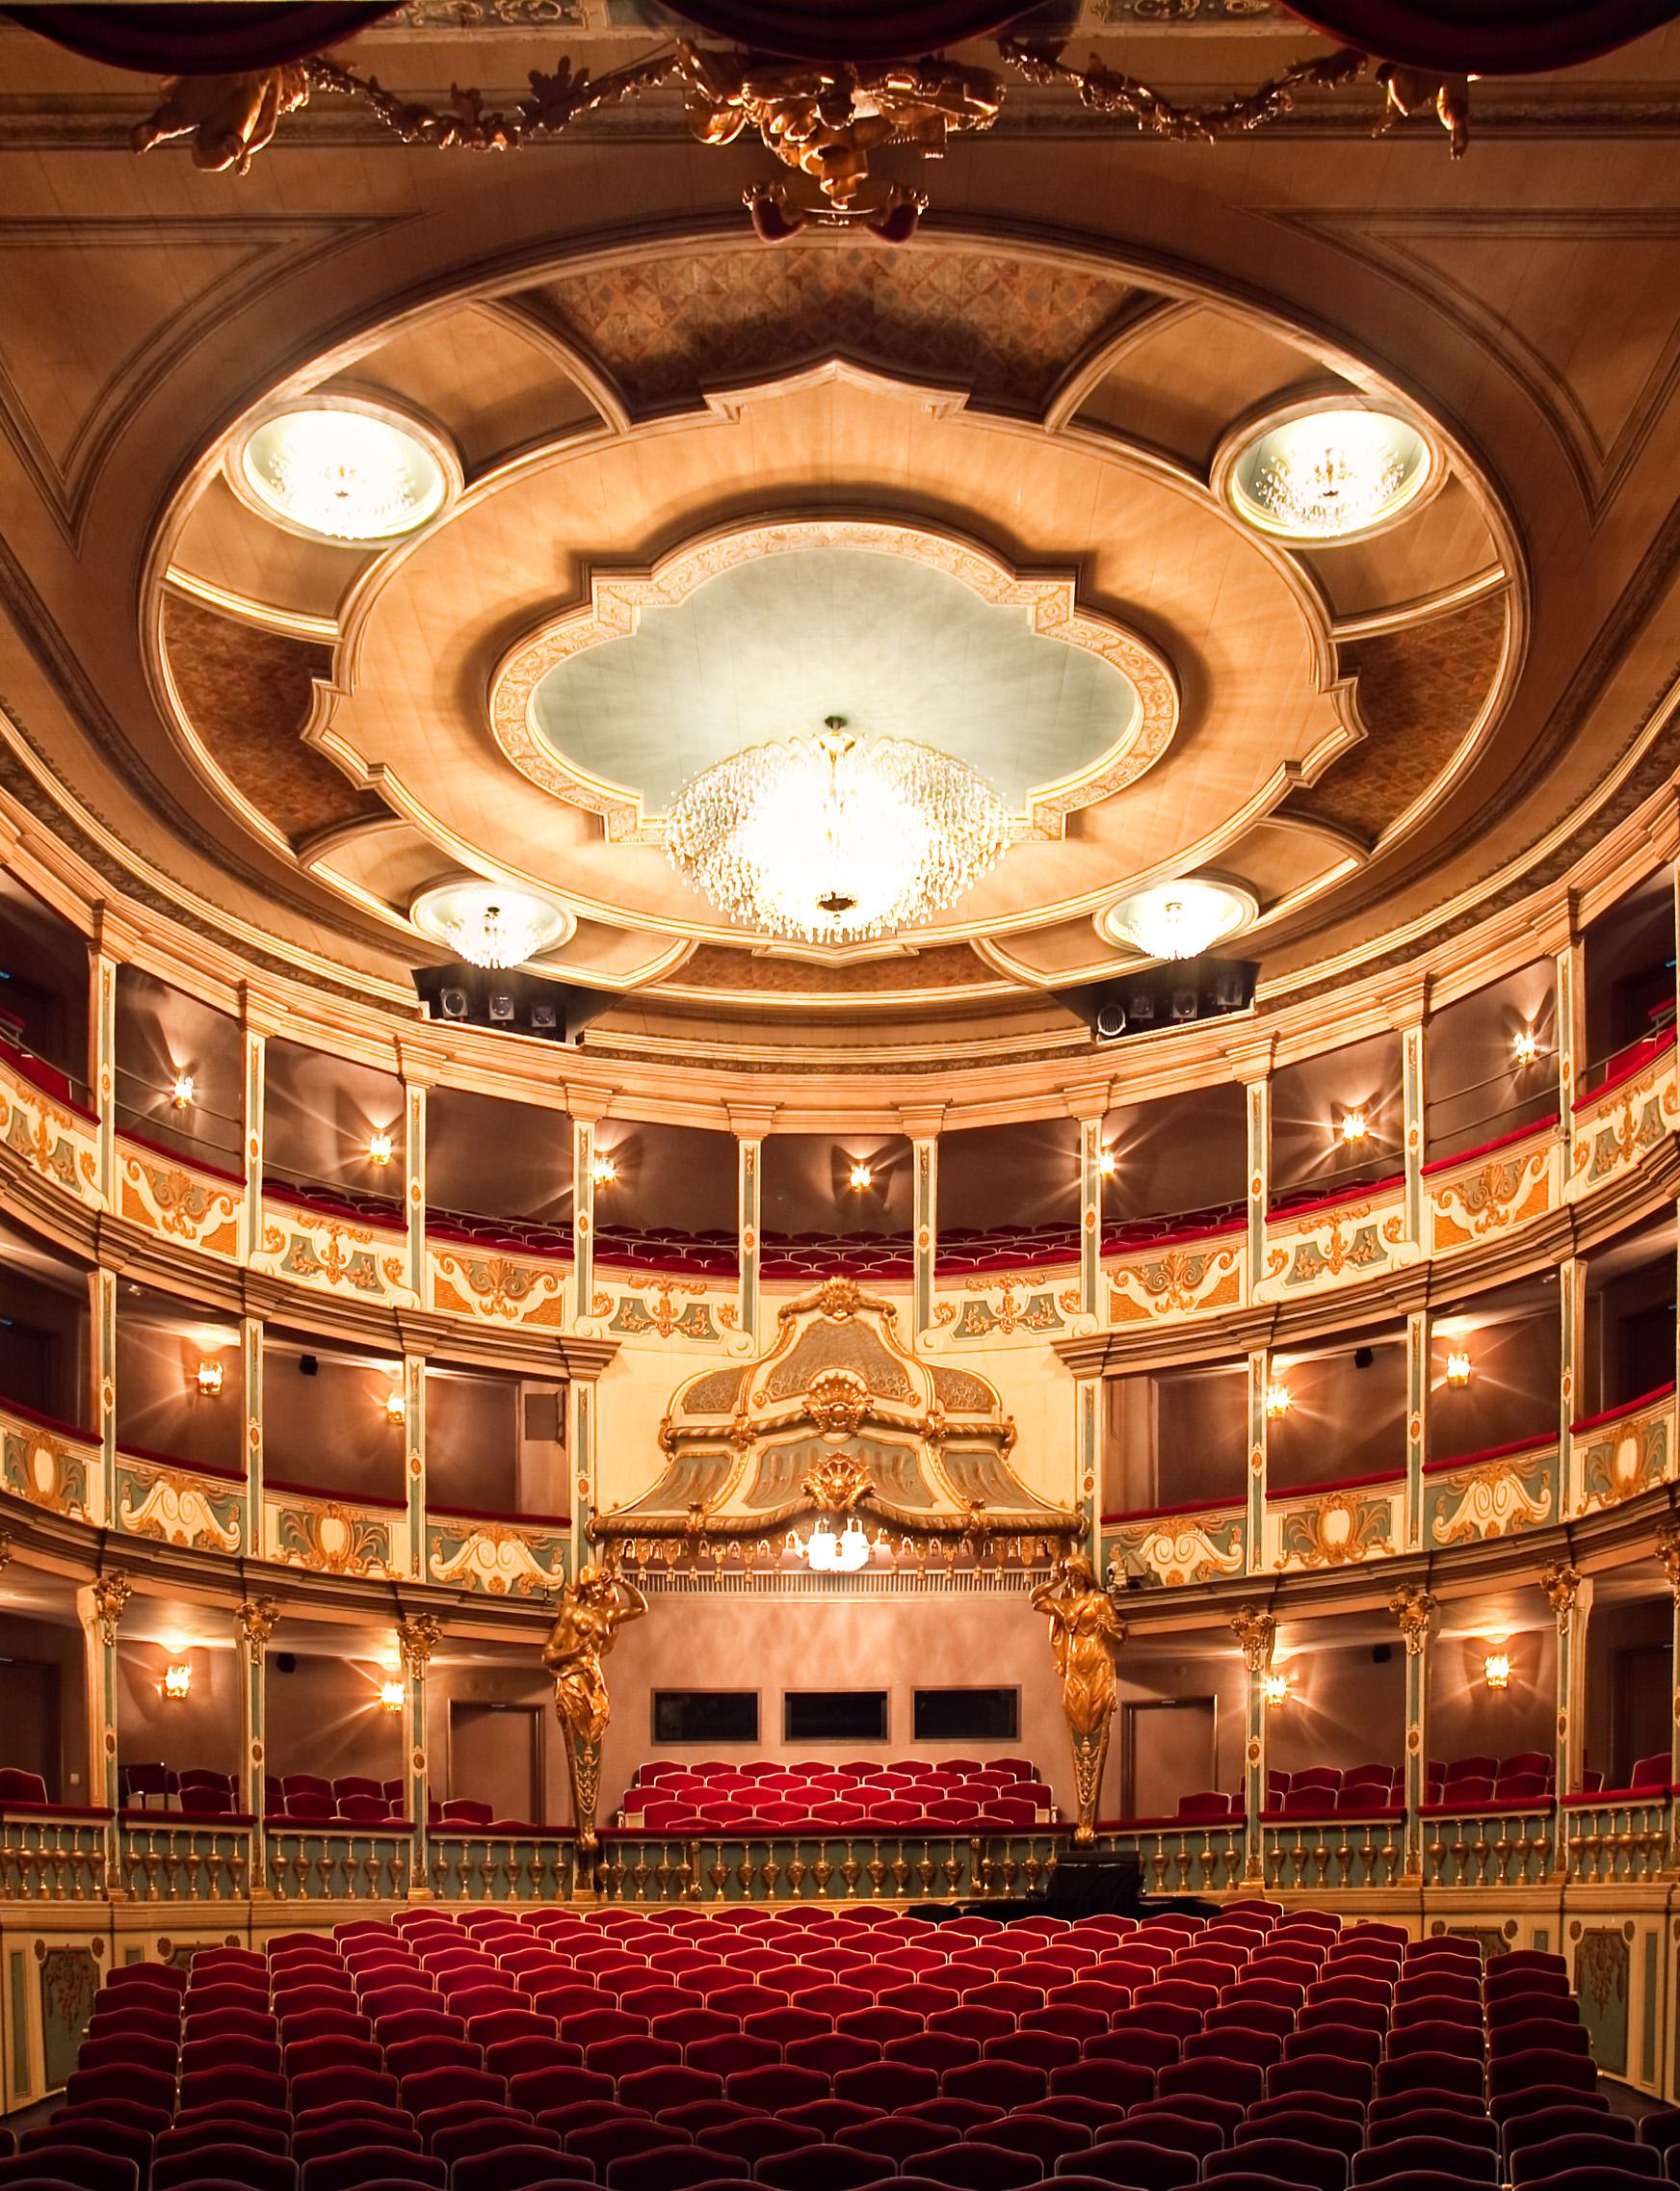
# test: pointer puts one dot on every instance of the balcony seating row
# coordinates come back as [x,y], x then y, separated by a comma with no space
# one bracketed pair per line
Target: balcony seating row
[681,2048]
[714,1797]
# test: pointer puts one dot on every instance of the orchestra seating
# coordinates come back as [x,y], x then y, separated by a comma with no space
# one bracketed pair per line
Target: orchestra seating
[722,1798]
[670,2049]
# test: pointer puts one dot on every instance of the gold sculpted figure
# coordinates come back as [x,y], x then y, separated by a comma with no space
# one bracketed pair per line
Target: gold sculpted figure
[592,1610]
[228,117]
[1085,1633]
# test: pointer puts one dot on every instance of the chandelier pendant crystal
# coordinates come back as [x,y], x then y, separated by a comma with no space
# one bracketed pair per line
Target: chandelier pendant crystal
[827,840]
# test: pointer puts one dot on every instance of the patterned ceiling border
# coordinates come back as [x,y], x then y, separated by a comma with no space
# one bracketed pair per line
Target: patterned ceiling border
[618,598]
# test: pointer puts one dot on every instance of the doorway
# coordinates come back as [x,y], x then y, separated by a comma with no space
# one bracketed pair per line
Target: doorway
[1640,1690]
[1168,1749]
[494,1758]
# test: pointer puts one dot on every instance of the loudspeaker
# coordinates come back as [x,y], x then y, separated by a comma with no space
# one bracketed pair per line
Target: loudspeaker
[500,1008]
[452,1003]
[1173,993]
[310,1366]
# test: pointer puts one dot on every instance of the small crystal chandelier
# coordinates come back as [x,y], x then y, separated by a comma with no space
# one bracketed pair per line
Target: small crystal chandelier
[342,473]
[1178,920]
[824,1553]
[489,924]
[830,841]
[1331,474]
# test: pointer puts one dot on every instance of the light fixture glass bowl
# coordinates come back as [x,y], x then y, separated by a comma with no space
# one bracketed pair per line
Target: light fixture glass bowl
[828,840]
[489,925]
[345,471]
[1331,474]
[1178,920]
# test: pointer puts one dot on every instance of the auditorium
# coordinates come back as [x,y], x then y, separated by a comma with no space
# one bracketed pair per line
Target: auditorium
[901,1415]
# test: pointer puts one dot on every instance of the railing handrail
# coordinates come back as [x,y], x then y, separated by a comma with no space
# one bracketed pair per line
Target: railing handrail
[1622,1407]
[1535,1445]
[1379,1476]
[1232,1503]
[1531,1132]
[150,1460]
[336,1498]
[487,1514]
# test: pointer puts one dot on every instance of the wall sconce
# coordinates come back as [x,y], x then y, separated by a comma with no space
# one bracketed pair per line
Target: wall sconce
[391,1696]
[1277,1401]
[1107,1163]
[1458,1367]
[396,1405]
[1496,1669]
[1526,1047]
[176,1683]
[181,1091]
[378,1148]
[859,1176]
[1275,1689]
[1355,1127]
[208,1379]
[604,1170]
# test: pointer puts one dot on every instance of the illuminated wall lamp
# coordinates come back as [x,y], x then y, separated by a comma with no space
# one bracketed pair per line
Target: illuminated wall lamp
[1277,1401]
[1275,1689]
[391,1696]
[378,1148]
[208,1379]
[859,1176]
[1107,1163]
[1458,1367]
[1526,1047]
[1496,1669]
[177,1683]
[396,1406]
[1355,1127]
[604,1170]
[181,1091]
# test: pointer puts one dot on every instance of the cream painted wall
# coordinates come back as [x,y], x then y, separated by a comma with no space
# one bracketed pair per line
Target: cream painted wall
[200,1731]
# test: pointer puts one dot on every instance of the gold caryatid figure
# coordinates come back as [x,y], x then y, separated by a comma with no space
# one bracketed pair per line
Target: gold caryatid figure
[592,1610]
[1085,1633]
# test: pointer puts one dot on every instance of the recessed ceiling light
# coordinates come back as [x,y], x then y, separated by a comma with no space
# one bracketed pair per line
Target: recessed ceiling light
[343,471]
[1330,473]
[489,925]
[1178,920]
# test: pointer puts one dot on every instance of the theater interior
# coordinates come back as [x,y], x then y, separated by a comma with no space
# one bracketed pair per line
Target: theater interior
[908,1419]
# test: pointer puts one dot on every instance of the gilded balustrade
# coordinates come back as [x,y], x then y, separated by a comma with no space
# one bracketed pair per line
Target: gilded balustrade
[48,1859]
[338,1863]
[825,1868]
[490,1866]
[1203,1857]
[174,1859]
[1489,1848]
[1614,1841]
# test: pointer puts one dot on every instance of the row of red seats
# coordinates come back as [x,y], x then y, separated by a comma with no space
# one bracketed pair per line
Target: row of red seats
[1143,2103]
[855,1773]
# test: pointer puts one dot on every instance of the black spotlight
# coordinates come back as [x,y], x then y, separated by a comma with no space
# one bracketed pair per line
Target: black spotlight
[500,1008]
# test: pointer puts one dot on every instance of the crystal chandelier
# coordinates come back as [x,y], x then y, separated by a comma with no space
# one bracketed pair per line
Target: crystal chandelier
[342,473]
[830,841]
[1178,920]
[824,1553]
[489,924]
[1331,474]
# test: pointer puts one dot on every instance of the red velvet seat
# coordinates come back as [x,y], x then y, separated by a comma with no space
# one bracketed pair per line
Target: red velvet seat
[363,2166]
[84,2167]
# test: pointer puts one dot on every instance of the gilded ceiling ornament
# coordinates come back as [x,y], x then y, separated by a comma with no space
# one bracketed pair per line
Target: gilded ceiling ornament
[1668,1552]
[257,1619]
[5,1548]
[110,1593]
[228,119]
[417,1639]
[1110,92]
[837,1402]
[1256,1630]
[836,1483]
[1412,91]
[1085,1633]
[1413,1607]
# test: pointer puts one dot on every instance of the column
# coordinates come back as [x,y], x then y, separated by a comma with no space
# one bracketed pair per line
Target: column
[1411,1063]
[256,1620]
[582,1217]
[414,1183]
[1571,983]
[1256,1630]
[99,1608]
[1417,1422]
[580,1446]
[1413,1607]
[924,1134]
[1256,1079]
[749,1127]
[256,1071]
[1667,1554]
[102,1309]
[1090,1210]
[416,1639]
[1569,1594]
[1571,1386]
[102,963]
[1254,1510]
[1089,1418]
[414,1469]
[250,1401]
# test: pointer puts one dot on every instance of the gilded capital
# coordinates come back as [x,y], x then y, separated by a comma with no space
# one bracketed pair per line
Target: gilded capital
[1413,1607]
[417,1639]
[5,1546]
[257,1619]
[1561,1584]
[110,1593]
[1256,1630]
[1668,1552]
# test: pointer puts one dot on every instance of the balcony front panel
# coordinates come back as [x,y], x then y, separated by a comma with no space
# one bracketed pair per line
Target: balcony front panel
[1614,1457]
[1616,1125]
[1176,1280]
[1336,1526]
[50,1464]
[337,1252]
[1019,1305]
[497,1556]
[53,1138]
[1490,1494]
[627,1305]
[1351,1236]
[200,1509]
[1177,1545]
[190,1206]
[492,1283]
[1493,1190]
[334,1535]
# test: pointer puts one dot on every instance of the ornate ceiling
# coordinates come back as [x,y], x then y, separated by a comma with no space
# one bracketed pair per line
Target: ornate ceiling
[966,489]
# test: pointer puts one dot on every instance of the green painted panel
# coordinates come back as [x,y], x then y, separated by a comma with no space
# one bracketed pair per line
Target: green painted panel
[1603,1957]
[1648,2047]
[69,1978]
[18,2010]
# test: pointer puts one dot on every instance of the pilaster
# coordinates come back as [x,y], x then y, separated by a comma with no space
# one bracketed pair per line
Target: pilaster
[1256,1631]
[1417,1422]
[1090,1213]
[255,1620]
[102,1308]
[749,1222]
[580,1446]
[416,1640]
[1254,1482]
[250,1401]
[102,1060]
[256,1071]
[1411,1060]
[414,1185]
[1257,1108]
[415,1467]
[1089,1417]
[1667,1554]
[582,1217]
[925,1189]
[1413,1607]
[1571,980]
[1571,1360]
[99,1609]
[1569,1594]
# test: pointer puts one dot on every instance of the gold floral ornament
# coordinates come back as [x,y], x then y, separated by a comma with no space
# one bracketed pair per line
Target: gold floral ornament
[1414,1608]
[1256,1631]
[110,1593]
[1110,92]
[1561,1584]
[592,1610]
[1085,1633]
[417,1638]
[257,1619]
[1667,1552]
[836,1483]
[837,1402]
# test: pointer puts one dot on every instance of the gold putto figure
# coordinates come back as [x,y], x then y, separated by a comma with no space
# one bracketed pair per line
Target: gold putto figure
[1085,1634]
